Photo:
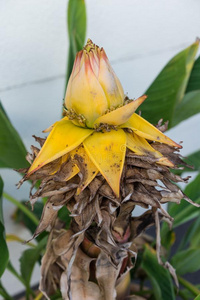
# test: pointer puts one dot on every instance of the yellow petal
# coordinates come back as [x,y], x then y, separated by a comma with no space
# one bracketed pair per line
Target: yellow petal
[140,146]
[146,130]
[121,114]
[64,137]
[86,166]
[109,81]
[84,93]
[53,125]
[107,151]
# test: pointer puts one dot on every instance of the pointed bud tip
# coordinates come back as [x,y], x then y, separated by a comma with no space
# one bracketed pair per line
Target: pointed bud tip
[90,46]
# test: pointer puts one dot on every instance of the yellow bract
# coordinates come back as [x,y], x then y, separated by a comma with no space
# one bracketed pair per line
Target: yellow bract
[93,89]
[107,151]
[121,114]
[64,137]
[86,166]
[53,125]
[140,146]
[146,130]
[92,152]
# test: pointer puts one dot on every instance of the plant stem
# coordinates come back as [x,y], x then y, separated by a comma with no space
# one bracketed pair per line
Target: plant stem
[15,238]
[22,207]
[12,270]
[193,289]
[4,293]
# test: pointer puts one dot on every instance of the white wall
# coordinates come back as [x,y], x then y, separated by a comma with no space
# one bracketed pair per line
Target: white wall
[138,36]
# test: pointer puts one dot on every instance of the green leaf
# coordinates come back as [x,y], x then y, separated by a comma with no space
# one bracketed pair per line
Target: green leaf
[195,237]
[192,236]
[194,160]
[12,149]
[14,272]
[197,298]
[76,31]
[168,236]
[28,260]
[64,215]
[22,207]
[185,294]
[194,81]
[192,190]
[188,107]
[185,211]
[160,278]
[4,293]
[186,261]
[168,89]
[4,254]
[56,296]
[189,286]
[1,201]
[20,217]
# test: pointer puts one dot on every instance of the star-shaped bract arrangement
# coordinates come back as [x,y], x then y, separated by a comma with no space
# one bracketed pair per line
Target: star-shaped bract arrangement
[109,127]
[100,161]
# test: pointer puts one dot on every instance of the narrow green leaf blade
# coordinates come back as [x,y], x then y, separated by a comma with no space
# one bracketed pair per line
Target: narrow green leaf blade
[20,217]
[76,31]
[12,149]
[197,298]
[186,261]
[194,160]
[64,215]
[169,87]
[194,81]
[14,272]
[183,213]
[195,236]
[29,259]
[192,190]
[4,293]
[188,107]
[4,254]
[192,236]
[160,278]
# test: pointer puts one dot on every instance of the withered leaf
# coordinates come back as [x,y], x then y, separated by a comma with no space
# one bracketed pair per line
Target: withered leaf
[48,216]
[106,276]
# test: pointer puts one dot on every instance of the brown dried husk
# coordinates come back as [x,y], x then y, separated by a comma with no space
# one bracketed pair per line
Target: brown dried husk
[94,256]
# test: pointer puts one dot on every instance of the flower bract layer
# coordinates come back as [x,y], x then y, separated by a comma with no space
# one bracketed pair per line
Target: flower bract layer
[93,88]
